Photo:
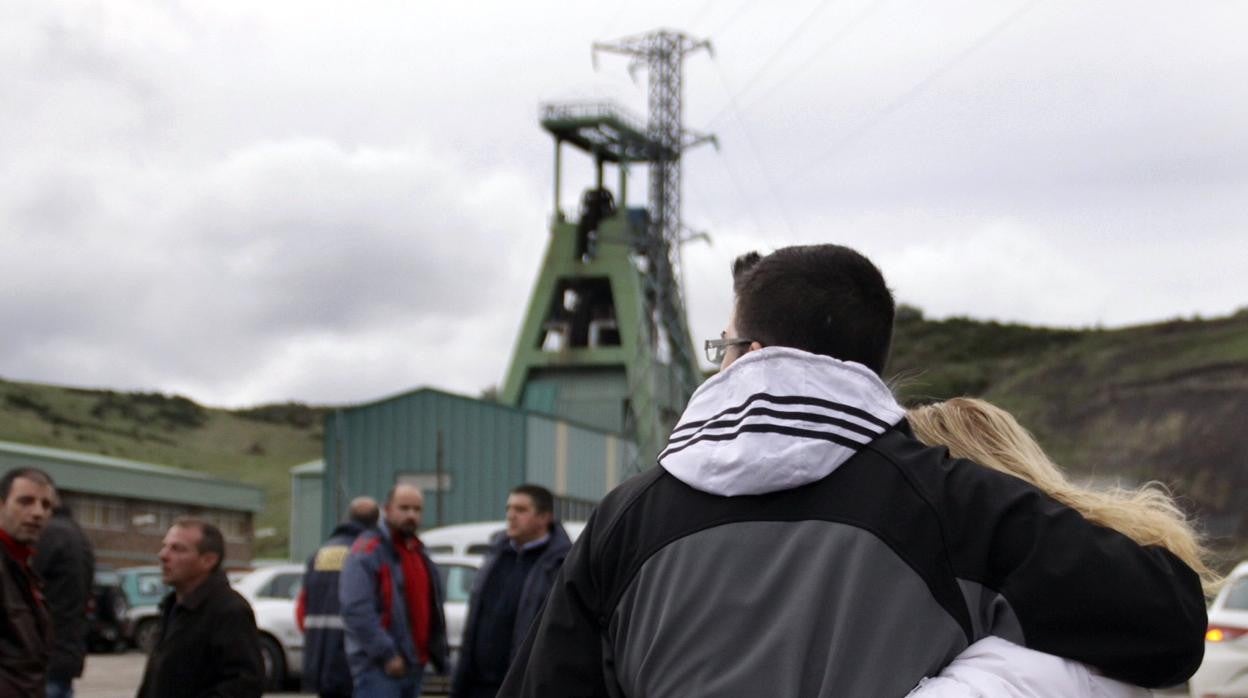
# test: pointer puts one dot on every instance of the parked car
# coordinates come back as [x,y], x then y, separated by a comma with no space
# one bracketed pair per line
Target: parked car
[1224,671]
[144,589]
[458,572]
[271,590]
[108,628]
[474,538]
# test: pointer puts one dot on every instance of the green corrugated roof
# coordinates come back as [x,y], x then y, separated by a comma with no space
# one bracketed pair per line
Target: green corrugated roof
[97,474]
[312,467]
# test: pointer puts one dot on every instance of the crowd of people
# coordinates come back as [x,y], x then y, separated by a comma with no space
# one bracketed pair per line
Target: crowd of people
[802,534]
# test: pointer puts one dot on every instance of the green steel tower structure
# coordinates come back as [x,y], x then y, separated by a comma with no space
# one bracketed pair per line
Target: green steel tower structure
[595,346]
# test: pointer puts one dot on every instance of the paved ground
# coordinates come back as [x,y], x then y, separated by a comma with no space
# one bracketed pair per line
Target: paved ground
[118,675]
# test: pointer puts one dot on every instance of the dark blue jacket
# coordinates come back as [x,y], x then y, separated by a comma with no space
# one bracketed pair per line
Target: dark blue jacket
[324,658]
[532,597]
[374,607]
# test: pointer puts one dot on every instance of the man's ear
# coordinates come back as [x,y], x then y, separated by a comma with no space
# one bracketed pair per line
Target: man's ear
[754,346]
[215,558]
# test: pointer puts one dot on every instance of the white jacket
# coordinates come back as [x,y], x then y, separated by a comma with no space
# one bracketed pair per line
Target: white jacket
[996,668]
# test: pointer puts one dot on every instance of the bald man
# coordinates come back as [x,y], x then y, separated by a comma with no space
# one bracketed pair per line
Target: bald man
[325,671]
[391,603]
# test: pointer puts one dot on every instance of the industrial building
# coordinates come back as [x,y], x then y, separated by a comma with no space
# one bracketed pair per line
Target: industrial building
[125,507]
[464,453]
[603,364]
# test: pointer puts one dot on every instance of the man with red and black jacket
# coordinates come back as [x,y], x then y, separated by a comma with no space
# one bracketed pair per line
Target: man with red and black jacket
[391,602]
[26,497]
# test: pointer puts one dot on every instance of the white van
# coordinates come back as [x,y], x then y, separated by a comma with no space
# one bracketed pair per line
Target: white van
[473,539]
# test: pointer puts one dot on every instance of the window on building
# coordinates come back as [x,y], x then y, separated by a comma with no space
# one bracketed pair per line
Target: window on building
[91,511]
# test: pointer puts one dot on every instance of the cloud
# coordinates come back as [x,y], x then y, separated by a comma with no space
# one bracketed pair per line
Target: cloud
[259,202]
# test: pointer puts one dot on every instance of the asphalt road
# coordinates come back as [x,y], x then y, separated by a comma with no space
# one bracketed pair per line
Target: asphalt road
[118,676]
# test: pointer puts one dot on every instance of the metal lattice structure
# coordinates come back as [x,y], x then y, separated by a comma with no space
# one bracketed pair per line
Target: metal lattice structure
[663,53]
[605,342]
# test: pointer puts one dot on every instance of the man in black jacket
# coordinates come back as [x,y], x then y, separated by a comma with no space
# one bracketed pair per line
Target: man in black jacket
[208,643]
[26,499]
[796,540]
[509,591]
[66,562]
[325,669]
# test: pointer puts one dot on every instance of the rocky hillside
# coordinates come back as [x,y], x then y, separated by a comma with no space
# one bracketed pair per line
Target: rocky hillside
[1167,401]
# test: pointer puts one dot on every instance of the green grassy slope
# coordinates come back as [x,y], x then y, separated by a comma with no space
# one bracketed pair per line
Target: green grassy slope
[257,447]
[1166,401]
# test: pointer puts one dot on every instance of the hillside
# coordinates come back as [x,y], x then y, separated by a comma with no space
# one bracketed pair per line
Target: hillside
[1160,402]
[1165,401]
[256,446]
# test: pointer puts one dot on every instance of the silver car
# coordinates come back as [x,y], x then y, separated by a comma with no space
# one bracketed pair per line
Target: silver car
[1224,671]
[271,590]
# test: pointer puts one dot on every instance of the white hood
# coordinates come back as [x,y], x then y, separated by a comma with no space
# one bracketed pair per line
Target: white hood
[778,418]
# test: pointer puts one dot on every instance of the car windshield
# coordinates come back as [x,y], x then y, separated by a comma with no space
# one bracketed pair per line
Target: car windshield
[1237,595]
[457,580]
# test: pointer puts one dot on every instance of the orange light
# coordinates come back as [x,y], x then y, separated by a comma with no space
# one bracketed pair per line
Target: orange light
[1224,633]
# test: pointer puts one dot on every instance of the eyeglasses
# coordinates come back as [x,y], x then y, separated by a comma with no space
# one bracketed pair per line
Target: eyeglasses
[716,348]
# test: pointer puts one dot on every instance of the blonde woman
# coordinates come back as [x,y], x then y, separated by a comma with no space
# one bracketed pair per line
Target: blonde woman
[981,432]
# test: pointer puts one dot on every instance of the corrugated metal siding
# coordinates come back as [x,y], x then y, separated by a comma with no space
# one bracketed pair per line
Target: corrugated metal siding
[594,397]
[306,494]
[483,453]
[488,448]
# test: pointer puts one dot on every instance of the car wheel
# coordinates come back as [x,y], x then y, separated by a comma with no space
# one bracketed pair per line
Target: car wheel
[145,635]
[274,663]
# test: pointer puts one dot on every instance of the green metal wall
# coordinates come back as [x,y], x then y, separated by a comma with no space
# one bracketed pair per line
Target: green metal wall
[487,448]
[593,396]
[306,496]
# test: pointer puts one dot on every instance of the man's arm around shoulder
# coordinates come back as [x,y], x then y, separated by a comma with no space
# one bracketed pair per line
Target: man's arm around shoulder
[1078,590]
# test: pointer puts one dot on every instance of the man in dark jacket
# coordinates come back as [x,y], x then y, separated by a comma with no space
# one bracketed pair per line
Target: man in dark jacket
[66,562]
[325,670]
[208,643]
[797,540]
[509,591]
[391,595]
[26,497]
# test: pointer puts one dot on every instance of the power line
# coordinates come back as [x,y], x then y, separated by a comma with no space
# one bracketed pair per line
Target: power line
[832,41]
[784,45]
[909,95]
[699,13]
[762,167]
[732,19]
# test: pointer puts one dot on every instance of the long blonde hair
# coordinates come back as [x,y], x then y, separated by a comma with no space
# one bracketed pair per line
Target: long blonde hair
[984,433]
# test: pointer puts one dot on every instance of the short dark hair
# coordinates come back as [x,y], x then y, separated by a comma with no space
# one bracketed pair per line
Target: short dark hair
[33,474]
[210,538]
[824,299]
[543,500]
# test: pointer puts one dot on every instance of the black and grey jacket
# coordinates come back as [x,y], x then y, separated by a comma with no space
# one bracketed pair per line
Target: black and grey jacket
[798,541]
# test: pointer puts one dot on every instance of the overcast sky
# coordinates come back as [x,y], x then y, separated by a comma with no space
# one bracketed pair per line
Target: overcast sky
[330,202]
